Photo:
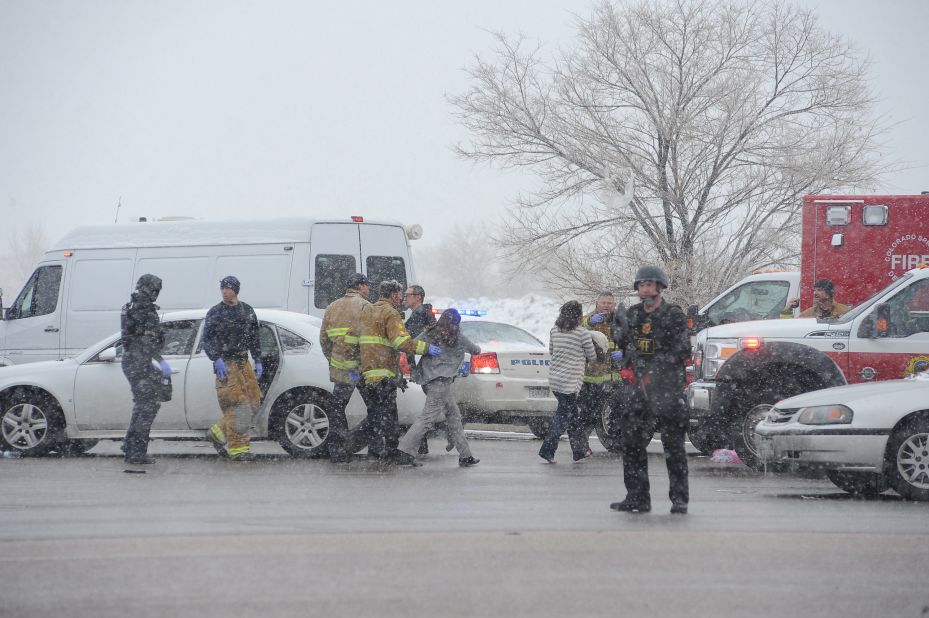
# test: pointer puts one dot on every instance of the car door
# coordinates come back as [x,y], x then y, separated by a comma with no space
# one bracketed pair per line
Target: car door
[903,347]
[103,399]
[200,393]
[33,322]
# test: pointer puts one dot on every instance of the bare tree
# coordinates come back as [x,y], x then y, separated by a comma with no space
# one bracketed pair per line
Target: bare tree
[682,133]
[25,246]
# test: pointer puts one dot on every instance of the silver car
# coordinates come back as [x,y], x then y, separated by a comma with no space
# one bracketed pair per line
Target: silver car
[868,437]
[69,405]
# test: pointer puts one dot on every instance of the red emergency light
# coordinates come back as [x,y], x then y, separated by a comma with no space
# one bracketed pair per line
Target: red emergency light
[358,219]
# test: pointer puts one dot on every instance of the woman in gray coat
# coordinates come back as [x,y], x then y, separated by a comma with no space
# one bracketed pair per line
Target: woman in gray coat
[436,374]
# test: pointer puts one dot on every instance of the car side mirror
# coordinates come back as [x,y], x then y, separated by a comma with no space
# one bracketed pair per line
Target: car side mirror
[866,329]
[108,355]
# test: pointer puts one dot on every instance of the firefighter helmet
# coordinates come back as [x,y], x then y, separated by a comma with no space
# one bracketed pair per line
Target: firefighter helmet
[650,272]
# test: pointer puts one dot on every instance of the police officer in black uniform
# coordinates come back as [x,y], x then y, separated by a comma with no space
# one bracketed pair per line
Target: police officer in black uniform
[657,347]
[142,338]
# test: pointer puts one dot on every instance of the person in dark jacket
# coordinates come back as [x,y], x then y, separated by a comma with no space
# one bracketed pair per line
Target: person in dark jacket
[142,338]
[436,374]
[230,334]
[421,318]
[657,347]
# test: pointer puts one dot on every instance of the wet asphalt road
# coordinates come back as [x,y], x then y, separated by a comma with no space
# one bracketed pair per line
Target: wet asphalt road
[199,536]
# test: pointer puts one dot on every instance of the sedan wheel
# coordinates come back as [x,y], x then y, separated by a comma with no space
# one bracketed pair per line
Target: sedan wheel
[909,458]
[304,425]
[744,435]
[29,424]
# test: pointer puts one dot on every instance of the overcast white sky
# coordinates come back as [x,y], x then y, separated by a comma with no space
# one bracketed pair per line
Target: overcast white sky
[232,108]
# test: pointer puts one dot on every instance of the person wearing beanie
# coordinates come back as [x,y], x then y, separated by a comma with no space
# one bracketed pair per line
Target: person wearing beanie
[230,333]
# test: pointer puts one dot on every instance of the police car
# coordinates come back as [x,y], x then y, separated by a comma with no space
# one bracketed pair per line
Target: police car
[69,405]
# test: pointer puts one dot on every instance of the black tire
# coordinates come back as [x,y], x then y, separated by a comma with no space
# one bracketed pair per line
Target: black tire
[858,484]
[703,441]
[300,423]
[752,409]
[609,431]
[31,423]
[908,458]
[539,426]
[75,448]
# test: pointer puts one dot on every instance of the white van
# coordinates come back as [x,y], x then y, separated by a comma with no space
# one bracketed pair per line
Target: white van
[75,295]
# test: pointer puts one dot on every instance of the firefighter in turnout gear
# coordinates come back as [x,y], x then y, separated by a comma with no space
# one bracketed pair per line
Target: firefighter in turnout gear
[383,339]
[599,375]
[338,338]
[230,333]
[657,347]
[142,338]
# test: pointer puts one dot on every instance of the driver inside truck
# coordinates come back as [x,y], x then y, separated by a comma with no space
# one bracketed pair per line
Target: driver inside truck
[824,304]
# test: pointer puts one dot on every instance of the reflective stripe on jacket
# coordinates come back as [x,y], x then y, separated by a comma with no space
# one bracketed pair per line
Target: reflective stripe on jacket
[338,335]
[596,371]
[383,339]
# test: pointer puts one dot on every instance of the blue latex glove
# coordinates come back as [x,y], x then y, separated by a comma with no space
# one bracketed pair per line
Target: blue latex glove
[616,355]
[597,318]
[259,369]
[354,376]
[434,350]
[219,368]
[165,368]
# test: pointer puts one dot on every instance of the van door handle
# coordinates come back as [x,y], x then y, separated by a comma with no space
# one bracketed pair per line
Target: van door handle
[51,329]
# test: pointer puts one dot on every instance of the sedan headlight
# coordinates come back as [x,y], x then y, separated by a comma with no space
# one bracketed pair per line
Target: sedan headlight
[825,415]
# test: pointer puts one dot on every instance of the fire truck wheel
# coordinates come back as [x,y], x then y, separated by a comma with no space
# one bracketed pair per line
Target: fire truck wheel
[752,410]
[908,458]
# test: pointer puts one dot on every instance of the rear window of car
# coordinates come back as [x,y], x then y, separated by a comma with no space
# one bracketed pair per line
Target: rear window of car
[495,333]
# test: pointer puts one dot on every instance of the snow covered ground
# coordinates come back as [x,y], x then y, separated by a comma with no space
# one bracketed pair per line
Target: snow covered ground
[532,312]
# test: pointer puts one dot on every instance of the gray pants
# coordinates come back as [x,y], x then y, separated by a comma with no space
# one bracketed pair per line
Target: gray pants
[439,402]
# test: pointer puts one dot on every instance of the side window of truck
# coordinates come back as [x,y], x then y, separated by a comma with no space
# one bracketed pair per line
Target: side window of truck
[330,274]
[753,301]
[383,267]
[909,310]
[40,296]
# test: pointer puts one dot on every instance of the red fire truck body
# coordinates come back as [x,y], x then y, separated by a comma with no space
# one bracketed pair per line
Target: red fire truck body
[861,242]
[875,249]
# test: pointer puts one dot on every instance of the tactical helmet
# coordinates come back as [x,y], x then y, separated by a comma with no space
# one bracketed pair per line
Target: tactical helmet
[388,287]
[149,285]
[650,272]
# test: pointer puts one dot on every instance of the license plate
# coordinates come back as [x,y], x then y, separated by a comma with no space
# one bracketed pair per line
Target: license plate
[539,392]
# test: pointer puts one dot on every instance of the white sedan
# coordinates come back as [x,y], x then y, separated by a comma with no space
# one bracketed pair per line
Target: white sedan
[869,437]
[68,405]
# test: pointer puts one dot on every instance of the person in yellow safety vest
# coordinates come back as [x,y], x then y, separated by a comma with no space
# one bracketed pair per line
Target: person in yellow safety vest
[338,338]
[599,375]
[383,339]
[824,304]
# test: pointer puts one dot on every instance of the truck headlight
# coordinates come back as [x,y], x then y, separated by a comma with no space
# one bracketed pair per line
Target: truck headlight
[825,415]
[716,353]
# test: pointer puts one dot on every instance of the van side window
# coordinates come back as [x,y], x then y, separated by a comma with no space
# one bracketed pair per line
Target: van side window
[40,296]
[381,268]
[331,274]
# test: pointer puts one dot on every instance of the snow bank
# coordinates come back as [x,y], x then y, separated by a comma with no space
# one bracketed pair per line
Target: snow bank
[532,312]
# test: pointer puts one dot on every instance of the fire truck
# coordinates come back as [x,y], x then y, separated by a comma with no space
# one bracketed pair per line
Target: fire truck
[875,249]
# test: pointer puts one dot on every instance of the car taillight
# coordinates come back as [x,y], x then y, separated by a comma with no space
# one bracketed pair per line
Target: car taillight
[485,363]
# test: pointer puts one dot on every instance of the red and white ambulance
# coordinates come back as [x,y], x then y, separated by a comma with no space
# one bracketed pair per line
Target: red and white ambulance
[868,246]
